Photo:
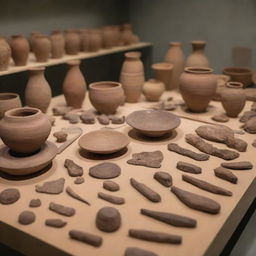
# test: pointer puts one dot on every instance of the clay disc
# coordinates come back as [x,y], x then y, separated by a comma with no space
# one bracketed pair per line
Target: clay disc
[105,171]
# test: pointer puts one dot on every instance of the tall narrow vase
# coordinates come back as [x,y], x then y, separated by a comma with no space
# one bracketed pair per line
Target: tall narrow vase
[74,85]
[38,93]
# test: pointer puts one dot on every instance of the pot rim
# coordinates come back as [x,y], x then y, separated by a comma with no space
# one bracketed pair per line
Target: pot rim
[15,96]
[237,71]
[162,65]
[17,35]
[133,55]
[175,43]
[234,85]
[14,113]
[199,42]
[198,70]
[113,85]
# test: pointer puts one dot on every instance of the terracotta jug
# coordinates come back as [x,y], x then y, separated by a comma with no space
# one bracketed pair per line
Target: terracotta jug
[106,96]
[221,85]
[58,44]
[126,34]
[85,39]
[38,93]
[74,85]
[24,130]
[153,89]
[175,56]
[108,37]
[20,50]
[31,39]
[197,58]
[72,39]
[197,87]
[8,101]
[233,98]
[94,40]
[163,72]
[42,48]
[132,76]
[5,54]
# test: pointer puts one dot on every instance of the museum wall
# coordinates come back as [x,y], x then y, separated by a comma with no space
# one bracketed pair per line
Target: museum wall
[222,23]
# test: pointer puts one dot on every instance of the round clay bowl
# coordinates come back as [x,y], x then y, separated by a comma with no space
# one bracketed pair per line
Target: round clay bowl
[103,141]
[153,123]
[239,74]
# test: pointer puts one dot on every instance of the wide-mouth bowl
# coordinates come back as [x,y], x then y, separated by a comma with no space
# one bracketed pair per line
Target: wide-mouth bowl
[133,55]
[21,113]
[234,85]
[104,85]
[8,96]
[198,70]
[162,66]
[237,71]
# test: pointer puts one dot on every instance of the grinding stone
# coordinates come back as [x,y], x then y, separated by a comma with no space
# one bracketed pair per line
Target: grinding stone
[9,196]
[105,170]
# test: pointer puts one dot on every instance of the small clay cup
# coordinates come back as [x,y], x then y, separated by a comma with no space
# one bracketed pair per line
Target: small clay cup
[8,101]
[24,130]
[106,96]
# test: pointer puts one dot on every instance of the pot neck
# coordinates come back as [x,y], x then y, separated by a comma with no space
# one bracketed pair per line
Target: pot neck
[198,46]
[36,72]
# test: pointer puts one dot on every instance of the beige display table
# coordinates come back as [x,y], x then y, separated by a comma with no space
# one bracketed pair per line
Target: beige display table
[208,238]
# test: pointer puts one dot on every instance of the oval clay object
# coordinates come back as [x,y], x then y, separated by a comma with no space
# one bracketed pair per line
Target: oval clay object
[111,185]
[225,174]
[105,170]
[163,178]
[61,209]
[26,218]
[135,251]
[243,165]
[35,203]
[196,202]
[9,196]
[187,167]
[85,237]
[79,180]
[56,223]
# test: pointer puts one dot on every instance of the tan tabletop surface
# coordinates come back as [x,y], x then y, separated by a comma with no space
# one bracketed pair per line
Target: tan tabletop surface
[208,238]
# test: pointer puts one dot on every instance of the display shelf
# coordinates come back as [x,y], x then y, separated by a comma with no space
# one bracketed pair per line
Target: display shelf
[208,238]
[82,55]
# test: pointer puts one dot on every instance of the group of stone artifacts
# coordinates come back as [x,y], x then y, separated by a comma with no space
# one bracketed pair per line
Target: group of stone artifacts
[24,131]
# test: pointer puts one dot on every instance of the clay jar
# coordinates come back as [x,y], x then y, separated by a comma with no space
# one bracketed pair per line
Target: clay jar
[197,58]
[8,101]
[85,34]
[153,89]
[58,44]
[197,87]
[38,92]
[221,85]
[72,39]
[233,99]
[24,130]
[74,85]
[108,37]
[42,48]
[163,72]
[20,50]
[106,97]
[175,56]
[132,76]
[126,37]
[94,40]
[5,54]
[31,39]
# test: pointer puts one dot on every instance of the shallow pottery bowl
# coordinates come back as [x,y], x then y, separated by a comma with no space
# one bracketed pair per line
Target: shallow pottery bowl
[153,123]
[239,74]
[103,141]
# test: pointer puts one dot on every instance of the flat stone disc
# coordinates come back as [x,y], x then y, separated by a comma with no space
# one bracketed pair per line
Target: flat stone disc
[105,170]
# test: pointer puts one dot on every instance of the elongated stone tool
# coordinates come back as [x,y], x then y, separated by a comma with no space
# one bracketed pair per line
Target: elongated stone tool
[225,174]
[111,199]
[242,165]
[73,194]
[85,237]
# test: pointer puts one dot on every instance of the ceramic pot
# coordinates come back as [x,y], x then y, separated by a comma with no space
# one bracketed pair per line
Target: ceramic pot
[108,37]
[20,50]
[197,58]
[72,39]
[94,40]
[74,85]
[85,40]
[132,76]
[42,48]
[24,130]
[153,89]
[126,34]
[31,39]
[5,54]
[8,101]
[38,93]
[233,99]
[106,96]
[221,85]
[163,72]
[239,74]
[197,87]
[135,39]
[58,44]
[175,56]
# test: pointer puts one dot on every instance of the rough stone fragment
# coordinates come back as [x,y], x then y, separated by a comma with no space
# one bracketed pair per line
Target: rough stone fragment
[195,201]
[108,219]
[62,210]
[61,110]
[164,178]
[148,159]
[51,187]
[60,136]
[88,118]
[186,152]
[117,119]
[250,125]
[26,218]
[246,116]
[79,180]
[206,186]
[146,191]
[111,185]
[111,199]
[135,251]
[242,165]
[187,167]
[208,148]
[170,218]
[153,236]
[73,194]
[72,118]
[9,196]
[221,118]
[85,237]
[56,223]
[35,203]
[74,169]
[103,119]
[105,170]
[225,174]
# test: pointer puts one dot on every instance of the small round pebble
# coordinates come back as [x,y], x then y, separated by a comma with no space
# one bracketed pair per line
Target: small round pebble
[79,180]
[26,217]
[111,185]
[35,203]
[9,196]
